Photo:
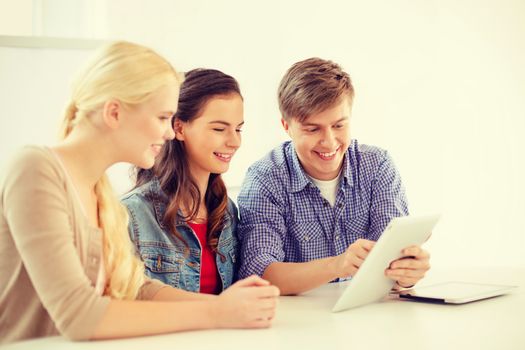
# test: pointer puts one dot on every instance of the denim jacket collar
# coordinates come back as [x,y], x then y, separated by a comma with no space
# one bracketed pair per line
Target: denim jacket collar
[158,198]
[160,201]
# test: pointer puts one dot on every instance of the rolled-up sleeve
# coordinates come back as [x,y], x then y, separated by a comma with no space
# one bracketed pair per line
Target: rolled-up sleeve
[36,210]
[262,228]
[150,288]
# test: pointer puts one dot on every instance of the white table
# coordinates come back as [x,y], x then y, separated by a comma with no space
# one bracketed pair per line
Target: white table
[305,322]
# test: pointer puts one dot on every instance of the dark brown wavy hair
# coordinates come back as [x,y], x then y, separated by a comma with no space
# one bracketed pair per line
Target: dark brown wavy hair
[171,166]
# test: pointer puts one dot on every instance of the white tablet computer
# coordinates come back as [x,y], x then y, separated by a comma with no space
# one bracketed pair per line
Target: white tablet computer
[455,292]
[370,283]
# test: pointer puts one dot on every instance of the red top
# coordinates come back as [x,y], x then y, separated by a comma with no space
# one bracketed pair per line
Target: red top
[210,281]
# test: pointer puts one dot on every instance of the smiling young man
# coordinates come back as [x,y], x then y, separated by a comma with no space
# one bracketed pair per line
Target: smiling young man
[312,208]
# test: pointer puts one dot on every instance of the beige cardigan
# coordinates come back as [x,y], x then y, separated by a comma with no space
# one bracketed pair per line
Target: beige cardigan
[49,254]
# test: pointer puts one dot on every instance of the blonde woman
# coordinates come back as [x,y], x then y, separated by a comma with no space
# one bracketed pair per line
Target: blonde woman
[67,265]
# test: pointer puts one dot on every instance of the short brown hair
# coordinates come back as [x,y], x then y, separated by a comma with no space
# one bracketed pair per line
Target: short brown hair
[312,86]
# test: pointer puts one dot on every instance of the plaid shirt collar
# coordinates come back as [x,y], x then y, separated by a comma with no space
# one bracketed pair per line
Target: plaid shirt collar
[298,178]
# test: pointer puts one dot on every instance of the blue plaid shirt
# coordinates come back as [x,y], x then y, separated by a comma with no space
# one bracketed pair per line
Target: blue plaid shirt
[284,218]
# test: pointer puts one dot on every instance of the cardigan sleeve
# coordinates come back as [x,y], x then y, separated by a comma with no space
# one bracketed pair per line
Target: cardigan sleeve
[35,205]
[150,288]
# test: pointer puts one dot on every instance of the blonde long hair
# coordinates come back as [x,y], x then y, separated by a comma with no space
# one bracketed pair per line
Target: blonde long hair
[130,73]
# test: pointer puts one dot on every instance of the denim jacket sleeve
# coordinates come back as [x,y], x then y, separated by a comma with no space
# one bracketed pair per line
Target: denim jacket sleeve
[234,216]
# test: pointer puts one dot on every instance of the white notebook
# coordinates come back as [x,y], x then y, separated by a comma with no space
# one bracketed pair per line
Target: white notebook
[455,292]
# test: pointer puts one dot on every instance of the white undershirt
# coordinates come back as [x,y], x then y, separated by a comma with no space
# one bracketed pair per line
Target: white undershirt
[328,188]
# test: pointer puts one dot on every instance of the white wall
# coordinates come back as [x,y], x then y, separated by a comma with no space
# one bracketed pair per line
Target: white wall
[440,84]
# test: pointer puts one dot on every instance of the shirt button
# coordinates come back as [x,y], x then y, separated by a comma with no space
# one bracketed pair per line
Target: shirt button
[306,238]
[336,236]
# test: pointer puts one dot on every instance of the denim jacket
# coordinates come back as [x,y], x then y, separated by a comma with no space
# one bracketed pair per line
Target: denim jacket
[164,254]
